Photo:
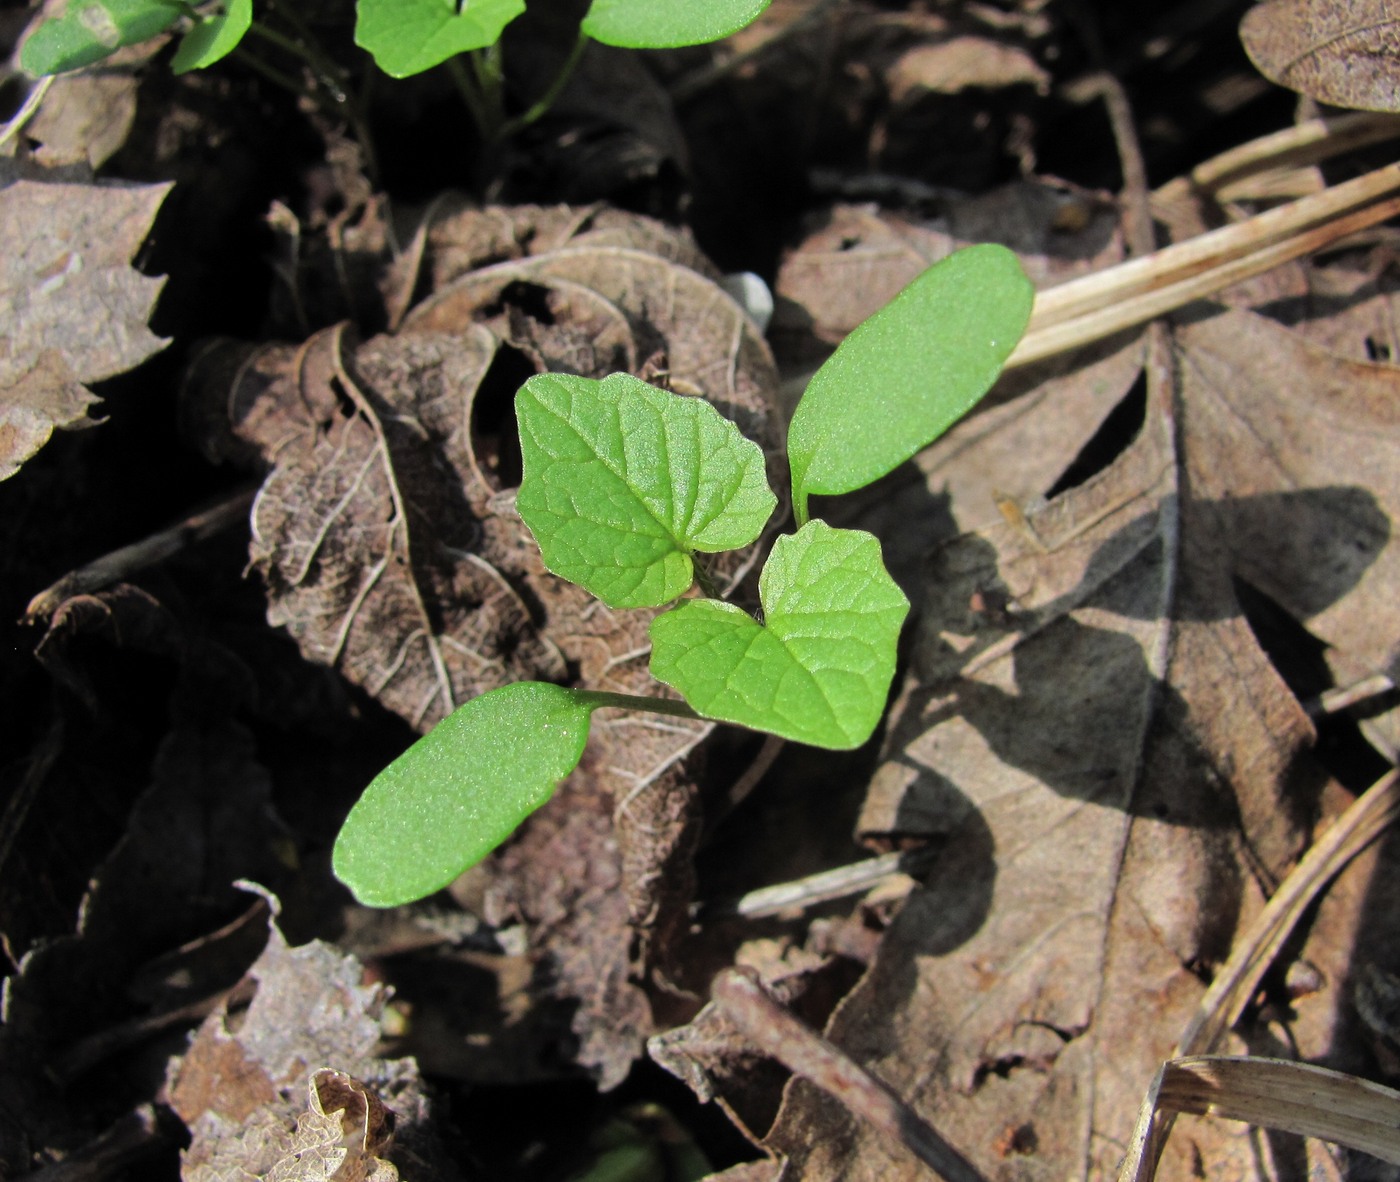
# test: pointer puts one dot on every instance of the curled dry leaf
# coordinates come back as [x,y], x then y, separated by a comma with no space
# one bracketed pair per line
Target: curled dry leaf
[1114,771]
[77,309]
[390,548]
[237,1085]
[339,1136]
[1343,52]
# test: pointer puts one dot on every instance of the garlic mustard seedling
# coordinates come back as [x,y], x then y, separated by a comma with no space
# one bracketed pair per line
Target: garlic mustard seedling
[622,485]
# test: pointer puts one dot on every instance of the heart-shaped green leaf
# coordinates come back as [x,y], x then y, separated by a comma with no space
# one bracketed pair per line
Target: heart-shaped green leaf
[410,36]
[460,791]
[213,38]
[89,30]
[622,482]
[668,24]
[908,373]
[818,669]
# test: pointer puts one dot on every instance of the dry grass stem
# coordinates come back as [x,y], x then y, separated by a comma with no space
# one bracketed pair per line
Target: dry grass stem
[1234,985]
[1132,293]
[128,560]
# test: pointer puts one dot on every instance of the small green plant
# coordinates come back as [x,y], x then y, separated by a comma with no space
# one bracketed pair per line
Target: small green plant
[623,485]
[404,37]
[89,30]
[409,36]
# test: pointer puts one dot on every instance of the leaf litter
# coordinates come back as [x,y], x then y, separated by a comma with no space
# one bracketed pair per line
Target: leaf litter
[1083,669]
[77,308]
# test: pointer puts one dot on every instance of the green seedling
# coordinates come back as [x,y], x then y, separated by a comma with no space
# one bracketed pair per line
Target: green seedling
[89,30]
[409,36]
[624,482]
[404,37]
[623,486]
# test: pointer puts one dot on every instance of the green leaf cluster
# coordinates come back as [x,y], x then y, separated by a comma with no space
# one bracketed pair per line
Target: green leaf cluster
[623,485]
[404,37]
[409,36]
[87,31]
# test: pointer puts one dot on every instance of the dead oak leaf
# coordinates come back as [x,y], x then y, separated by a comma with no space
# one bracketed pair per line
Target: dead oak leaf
[77,309]
[1113,769]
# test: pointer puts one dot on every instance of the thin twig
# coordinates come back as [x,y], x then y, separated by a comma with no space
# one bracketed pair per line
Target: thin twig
[126,561]
[825,886]
[1106,302]
[1228,176]
[1343,697]
[804,1052]
[1237,979]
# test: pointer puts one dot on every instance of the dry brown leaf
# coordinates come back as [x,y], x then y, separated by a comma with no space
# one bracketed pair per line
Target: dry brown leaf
[87,114]
[960,62]
[1114,769]
[77,310]
[361,532]
[71,1000]
[237,1084]
[1343,52]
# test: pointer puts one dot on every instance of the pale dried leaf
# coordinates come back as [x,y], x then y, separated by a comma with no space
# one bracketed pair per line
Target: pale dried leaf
[1343,52]
[339,1137]
[77,310]
[237,1084]
[947,67]
[86,116]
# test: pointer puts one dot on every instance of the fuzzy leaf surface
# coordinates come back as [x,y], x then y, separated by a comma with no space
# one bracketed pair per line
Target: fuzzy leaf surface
[89,30]
[460,791]
[410,36]
[646,24]
[623,481]
[213,38]
[908,373]
[819,669]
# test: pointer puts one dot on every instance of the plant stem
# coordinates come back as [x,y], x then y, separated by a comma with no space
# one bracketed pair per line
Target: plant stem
[328,74]
[705,579]
[672,706]
[542,104]
[473,99]
[272,74]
